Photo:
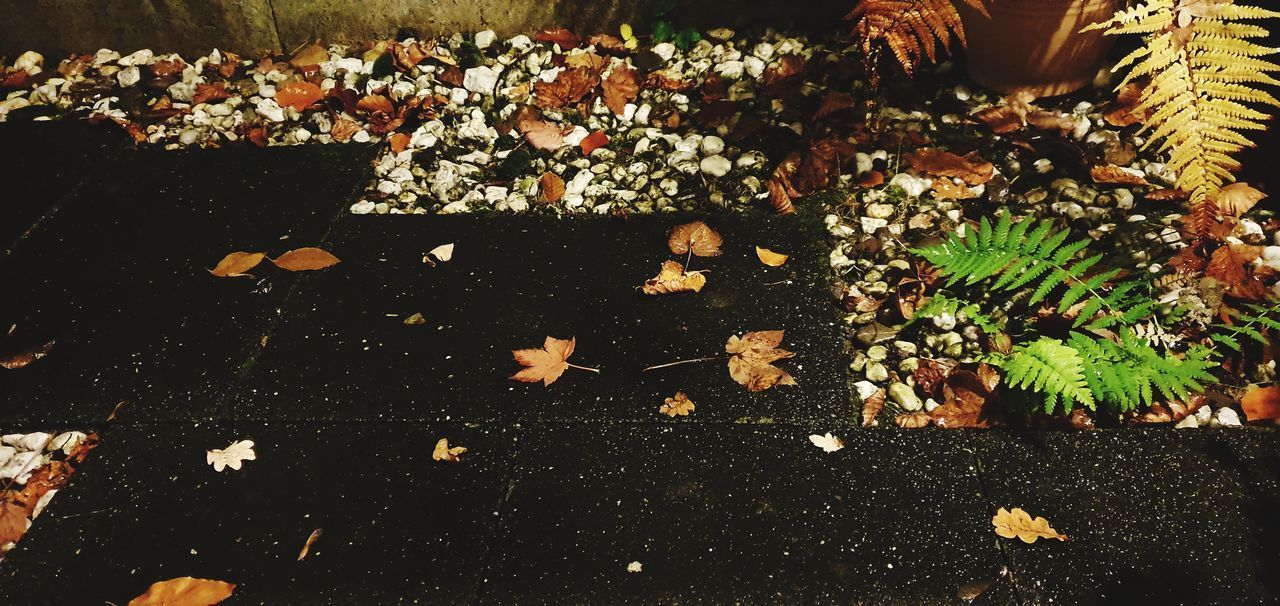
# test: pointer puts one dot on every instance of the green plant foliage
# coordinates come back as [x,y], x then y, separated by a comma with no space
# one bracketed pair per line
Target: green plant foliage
[940,304]
[1249,325]
[1014,256]
[1047,366]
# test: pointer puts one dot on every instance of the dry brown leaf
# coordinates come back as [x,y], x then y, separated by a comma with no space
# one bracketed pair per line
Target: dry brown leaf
[673,279]
[305,259]
[1053,121]
[13,522]
[399,142]
[237,264]
[946,189]
[444,452]
[696,237]
[569,87]
[310,55]
[914,420]
[206,93]
[1001,119]
[376,103]
[620,88]
[1124,110]
[25,358]
[1261,403]
[872,178]
[306,547]
[298,94]
[593,142]
[971,169]
[1117,175]
[1238,198]
[545,364]
[1018,523]
[770,258]
[561,36]
[164,68]
[969,399]
[344,129]
[184,591]
[751,364]
[552,187]
[872,406]
[542,134]
[677,405]
[1232,264]
[833,103]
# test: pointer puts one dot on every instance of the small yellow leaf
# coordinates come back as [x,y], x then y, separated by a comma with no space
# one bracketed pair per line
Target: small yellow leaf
[679,404]
[673,279]
[1018,523]
[415,320]
[626,31]
[770,258]
[184,591]
[306,547]
[305,259]
[236,264]
[444,453]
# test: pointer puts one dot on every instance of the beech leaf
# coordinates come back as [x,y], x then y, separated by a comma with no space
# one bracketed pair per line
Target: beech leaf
[237,264]
[620,88]
[770,258]
[309,55]
[872,406]
[542,134]
[696,237]
[298,94]
[444,452]
[753,355]
[305,259]
[1019,524]
[593,142]
[552,187]
[184,591]
[1261,403]
[673,278]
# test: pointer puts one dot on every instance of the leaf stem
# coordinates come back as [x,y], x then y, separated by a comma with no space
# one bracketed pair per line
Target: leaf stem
[571,365]
[679,362]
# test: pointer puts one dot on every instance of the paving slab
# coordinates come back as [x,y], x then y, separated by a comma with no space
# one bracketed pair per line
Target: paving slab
[1160,516]
[344,352]
[44,163]
[398,527]
[735,514]
[117,278]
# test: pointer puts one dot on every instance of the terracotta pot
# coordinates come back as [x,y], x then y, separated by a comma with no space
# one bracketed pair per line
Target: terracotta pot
[1036,45]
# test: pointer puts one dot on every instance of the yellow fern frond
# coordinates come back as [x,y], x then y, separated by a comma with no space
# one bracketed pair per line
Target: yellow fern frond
[1205,72]
[913,30]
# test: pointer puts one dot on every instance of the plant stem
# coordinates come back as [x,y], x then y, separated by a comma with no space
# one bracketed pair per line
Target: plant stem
[595,370]
[677,363]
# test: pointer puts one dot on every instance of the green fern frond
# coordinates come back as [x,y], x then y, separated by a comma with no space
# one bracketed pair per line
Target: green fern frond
[1250,325]
[1203,79]
[1013,256]
[1048,367]
[940,304]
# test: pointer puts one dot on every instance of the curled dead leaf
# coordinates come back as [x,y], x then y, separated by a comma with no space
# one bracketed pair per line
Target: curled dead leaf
[971,169]
[237,264]
[444,452]
[872,406]
[1117,175]
[677,405]
[310,55]
[25,358]
[913,420]
[696,237]
[184,591]
[770,258]
[1238,198]
[753,355]
[673,279]
[306,547]
[620,88]
[307,258]
[1018,523]
[969,399]
[416,319]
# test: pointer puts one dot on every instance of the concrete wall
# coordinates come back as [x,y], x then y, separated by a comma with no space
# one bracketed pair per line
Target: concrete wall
[58,27]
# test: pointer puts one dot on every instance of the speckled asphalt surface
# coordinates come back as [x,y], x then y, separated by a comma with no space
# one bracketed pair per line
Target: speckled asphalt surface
[562,488]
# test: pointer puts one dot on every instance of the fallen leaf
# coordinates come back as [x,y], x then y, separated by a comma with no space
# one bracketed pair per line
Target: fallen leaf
[569,87]
[552,187]
[1117,175]
[13,522]
[1018,523]
[206,93]
[168,68]
[1064,124]
[400,142]
[1261,403]
[827,443]
[939,163]
[232,456]
[751,364]
[946,189]
[184,591]
[1238,198]
[971,590]
[306,547]
[1232,265]
[305,259]
[969,399]
[833,103]
[444,452]
[25,358]
[237,264]
[770,258]
[542,134]
[1001,119]
[696,237]
[913,420]
[673,279]
[593,142]
[635,567]
[376,103]
[679,404]
[298,94]
[546,364]
[415,320]
[344,129]
[310,55]
[442,253]
[872,406]
[1124,110]
[620,88]
[561,36]
[257,135]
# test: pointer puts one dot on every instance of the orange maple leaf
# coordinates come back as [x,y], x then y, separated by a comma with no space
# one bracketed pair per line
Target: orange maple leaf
[548,363]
